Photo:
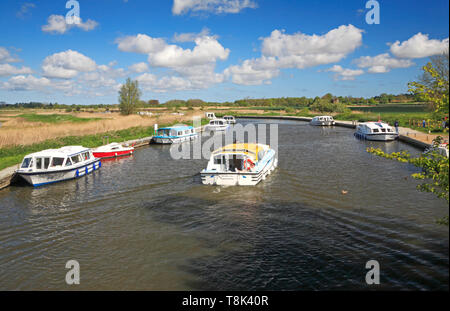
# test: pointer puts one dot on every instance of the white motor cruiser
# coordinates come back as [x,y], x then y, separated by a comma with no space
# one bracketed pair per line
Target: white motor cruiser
[239,164]
[322,121]
[217,125]
[53,165]
[376,131]
[230,119]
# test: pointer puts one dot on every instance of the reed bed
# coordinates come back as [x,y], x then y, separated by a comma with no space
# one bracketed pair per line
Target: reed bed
[17,131]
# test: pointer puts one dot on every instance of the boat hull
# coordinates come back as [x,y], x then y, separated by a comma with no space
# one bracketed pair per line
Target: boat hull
[111,154]
[173,140]
[44,178]
[239,179]
[322,123]
[222,128]
[377,137]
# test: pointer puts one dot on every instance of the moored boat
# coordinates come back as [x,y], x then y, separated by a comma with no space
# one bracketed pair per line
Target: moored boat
[217,125]
[53,165]
[242,164]
[322,121]
[112,150]
[230,119]
[210,115]
[175,134]
[379,131]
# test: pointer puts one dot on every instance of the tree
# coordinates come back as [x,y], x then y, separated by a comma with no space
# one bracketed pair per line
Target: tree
[129,97]
[433,84]
[434,171]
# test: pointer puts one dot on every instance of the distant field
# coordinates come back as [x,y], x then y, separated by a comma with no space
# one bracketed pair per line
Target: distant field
[392,108]
[54,118]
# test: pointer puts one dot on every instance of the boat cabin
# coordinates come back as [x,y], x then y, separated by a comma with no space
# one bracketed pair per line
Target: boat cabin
[375,128]
[175,131]
[56,159]
[210,115]
[232,158]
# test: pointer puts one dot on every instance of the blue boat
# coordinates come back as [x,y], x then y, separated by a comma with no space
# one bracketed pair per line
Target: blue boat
[175,134]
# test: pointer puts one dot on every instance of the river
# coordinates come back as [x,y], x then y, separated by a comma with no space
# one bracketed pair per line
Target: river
[147,223]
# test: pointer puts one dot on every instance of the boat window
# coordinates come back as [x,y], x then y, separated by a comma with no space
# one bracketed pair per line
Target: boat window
[57,162]
[180,133]
[389,130]
[38,163]
[261,154]
[236,163]
[68,162]
[76,158]
[375,130]
[46,163]
[86,155]
[383,130]
[26,163]
[217,160]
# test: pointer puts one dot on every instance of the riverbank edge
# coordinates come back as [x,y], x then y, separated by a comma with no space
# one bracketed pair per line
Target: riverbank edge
[8,175]
[348,124]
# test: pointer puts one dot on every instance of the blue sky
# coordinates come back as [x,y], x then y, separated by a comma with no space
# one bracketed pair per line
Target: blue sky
[215,50]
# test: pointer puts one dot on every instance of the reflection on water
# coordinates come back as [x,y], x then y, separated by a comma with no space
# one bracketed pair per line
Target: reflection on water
[146,222]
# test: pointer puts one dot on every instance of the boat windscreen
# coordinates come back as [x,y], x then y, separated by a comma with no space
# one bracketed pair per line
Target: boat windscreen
[26,163]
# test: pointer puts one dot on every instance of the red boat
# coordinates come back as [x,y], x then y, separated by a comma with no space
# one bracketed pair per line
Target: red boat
[112,150]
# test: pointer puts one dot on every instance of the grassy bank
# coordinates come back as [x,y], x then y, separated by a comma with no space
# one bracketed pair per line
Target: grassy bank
[54,118]
[14,155]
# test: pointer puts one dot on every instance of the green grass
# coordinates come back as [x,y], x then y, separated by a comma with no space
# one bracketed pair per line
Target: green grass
[54,118]
[393,108]
[14,155]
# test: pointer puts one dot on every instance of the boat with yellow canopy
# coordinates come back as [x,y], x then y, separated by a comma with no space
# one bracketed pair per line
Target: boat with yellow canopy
[239,164]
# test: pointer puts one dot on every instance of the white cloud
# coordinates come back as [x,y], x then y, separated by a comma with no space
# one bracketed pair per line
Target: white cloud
[382,63]
[191,36]
[139,67]
[67,64]
[419,46]
[57,24]
[140,44]
[212,6]
[207,50]
[345,73]
[25,83]
[299,51]
[8,70]
[5,56]
[150,82]
[25,9]
[254,71]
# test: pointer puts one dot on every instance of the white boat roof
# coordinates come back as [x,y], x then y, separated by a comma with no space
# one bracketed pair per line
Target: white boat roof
[323,117]
[223,120]
[61,152]
[376,125]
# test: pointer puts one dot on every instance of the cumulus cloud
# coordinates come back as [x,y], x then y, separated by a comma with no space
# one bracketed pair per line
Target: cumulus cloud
[6,57]
[25,83]
[419,46]
[9,70]
[191,36]
[382,63]
[140,43]
[67,64]
[299,50]
[56,24]
[207,50]
[345,73]
[211,6]
[188,68]
[254,71]
[139,67]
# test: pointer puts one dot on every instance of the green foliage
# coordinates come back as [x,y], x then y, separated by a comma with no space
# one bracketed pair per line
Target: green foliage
[129,97]
[54,118]
[327,104]
[434,169]
[433,86]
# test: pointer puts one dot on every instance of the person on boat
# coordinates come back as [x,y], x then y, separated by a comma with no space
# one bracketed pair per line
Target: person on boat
[396,126]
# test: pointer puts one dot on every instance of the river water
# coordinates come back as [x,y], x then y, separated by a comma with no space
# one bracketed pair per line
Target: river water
[147,223]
